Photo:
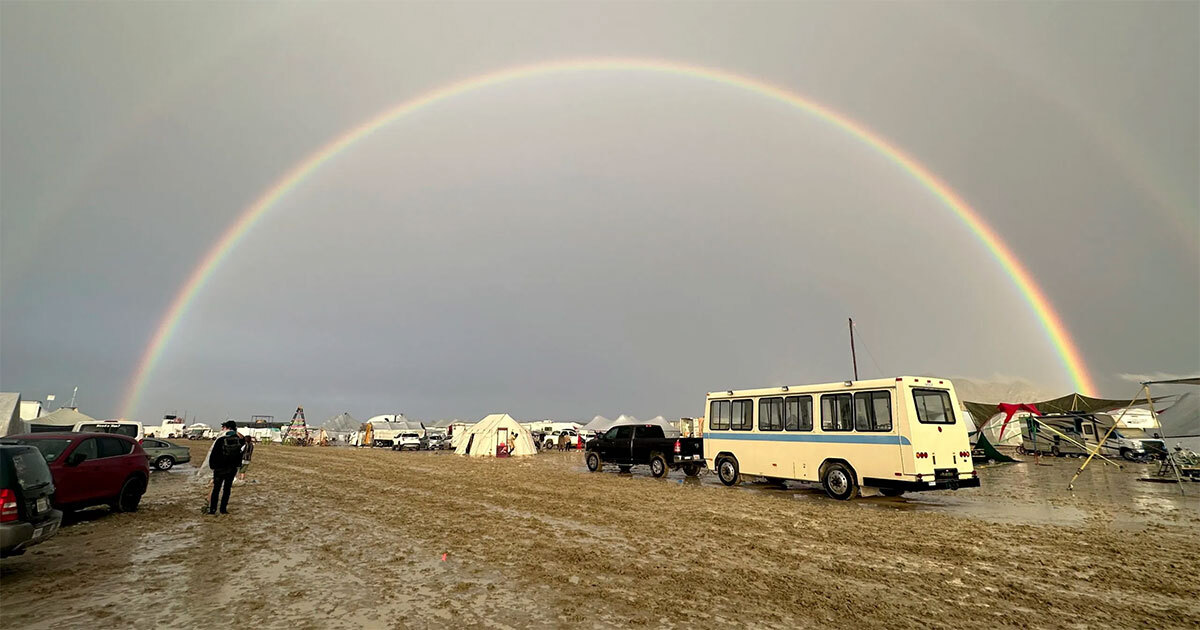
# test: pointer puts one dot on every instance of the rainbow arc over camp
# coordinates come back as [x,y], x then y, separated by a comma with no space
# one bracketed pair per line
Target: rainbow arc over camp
[1049,319]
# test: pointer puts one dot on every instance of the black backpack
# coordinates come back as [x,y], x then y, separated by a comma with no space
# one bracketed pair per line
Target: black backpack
[227,453]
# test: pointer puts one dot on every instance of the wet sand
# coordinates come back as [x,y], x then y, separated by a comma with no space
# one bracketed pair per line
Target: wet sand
[341,538]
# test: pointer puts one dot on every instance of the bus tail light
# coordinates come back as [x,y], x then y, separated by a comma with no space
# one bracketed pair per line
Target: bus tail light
[922,455]
[974,473]
[677,449]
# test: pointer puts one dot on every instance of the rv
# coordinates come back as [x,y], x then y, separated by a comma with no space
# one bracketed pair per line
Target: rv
[124,427]
[171,427]
[1076,434]
[897,434]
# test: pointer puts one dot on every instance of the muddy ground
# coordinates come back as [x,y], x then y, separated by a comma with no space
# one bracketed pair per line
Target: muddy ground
[342,538]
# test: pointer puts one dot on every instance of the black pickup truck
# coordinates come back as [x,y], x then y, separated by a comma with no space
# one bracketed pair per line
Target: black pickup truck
[632,445]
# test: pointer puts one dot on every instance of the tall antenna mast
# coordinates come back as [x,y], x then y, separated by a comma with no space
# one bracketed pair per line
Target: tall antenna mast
[72,405]
[853,355]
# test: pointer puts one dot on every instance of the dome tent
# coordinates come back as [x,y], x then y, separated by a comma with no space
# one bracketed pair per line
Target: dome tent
[482,439]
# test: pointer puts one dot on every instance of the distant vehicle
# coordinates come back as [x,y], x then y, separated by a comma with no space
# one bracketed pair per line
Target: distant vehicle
[197,432]
[171,427]
[27,515]
[123,427]
[550,440]
[1076,434]
[91,468]
[407,442]
[164,455]
[436,442]
[645,444]
[897,434]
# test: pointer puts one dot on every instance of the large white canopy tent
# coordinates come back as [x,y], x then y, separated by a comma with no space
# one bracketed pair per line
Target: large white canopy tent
[598,424]
[484,436]
[63,419]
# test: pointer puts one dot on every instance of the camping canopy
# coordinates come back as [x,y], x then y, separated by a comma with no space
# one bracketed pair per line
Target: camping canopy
[482,438]
[1062,404]
[10,415]
[342,423]
[63,419]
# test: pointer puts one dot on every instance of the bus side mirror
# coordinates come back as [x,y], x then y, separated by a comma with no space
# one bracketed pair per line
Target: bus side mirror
[76,459]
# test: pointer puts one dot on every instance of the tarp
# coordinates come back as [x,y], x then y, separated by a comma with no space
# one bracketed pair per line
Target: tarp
[10,415]
[63,419]
[342,423]
[483,437]
[990,453]
[1062,404]
[1180,423]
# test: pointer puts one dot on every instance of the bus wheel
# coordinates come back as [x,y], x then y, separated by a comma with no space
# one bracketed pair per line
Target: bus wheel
[658,467]
[691,470]
[727,471]
[891,492]
[593,462]
[839,482]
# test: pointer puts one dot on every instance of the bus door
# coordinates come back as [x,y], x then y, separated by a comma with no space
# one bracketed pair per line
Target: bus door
[876,435]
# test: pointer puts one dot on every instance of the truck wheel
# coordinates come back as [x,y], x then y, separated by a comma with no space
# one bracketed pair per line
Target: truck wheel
[593,462]
[658,467]
[691,470]
[130,497]
[839,482]
[625,469]
[164,463]
[727,470]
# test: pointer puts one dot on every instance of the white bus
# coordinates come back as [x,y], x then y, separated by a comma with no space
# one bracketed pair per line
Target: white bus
[897,434]
[124,427]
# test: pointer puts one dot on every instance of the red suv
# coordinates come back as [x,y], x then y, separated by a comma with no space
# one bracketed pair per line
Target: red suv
[92,468]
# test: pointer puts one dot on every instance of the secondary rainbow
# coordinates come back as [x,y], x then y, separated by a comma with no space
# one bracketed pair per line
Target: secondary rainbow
[1055,331]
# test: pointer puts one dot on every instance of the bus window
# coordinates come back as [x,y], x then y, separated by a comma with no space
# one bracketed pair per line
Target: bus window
[933,406]
[797,413]
[837,412]
[743,415]
[770,414]
[719,415]
[872,411]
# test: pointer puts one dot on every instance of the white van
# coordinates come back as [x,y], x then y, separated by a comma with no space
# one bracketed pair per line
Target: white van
[124,427]
[897,434]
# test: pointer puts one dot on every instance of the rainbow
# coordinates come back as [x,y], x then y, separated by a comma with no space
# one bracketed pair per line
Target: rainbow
[1056,332]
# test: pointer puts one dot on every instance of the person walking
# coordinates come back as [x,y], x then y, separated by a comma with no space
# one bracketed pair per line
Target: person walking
[224,461]
[247,452]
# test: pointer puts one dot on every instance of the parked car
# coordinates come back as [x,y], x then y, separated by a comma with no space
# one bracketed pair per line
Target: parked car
[436,442]
[550,440]
[92,468]
[27,516]
[407,441]
[163,455]
[637,444]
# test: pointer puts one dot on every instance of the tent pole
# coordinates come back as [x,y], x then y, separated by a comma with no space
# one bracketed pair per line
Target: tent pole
[1170,460]
[1100,444]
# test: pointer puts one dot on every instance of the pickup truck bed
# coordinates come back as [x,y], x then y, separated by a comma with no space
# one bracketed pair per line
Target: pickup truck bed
[644,445]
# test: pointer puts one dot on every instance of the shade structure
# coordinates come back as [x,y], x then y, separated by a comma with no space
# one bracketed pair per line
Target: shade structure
[598,424]
[63,419]
[342,423]
[483,438]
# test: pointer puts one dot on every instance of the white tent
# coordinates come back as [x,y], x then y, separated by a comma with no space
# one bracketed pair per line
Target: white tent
[624,419]
[482,439]
[10,415]
[669,428]
[598,424]
[63,419]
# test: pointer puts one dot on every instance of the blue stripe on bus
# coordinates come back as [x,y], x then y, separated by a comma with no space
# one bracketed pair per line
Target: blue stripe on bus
[898,440]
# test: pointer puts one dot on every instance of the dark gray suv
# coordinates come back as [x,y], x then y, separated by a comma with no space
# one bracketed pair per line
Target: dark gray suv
[26,488]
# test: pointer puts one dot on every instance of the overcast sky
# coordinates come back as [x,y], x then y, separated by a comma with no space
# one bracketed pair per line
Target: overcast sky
[587,244]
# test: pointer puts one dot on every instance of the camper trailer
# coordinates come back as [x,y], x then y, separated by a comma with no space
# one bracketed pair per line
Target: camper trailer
[171,427]
[1076,434]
